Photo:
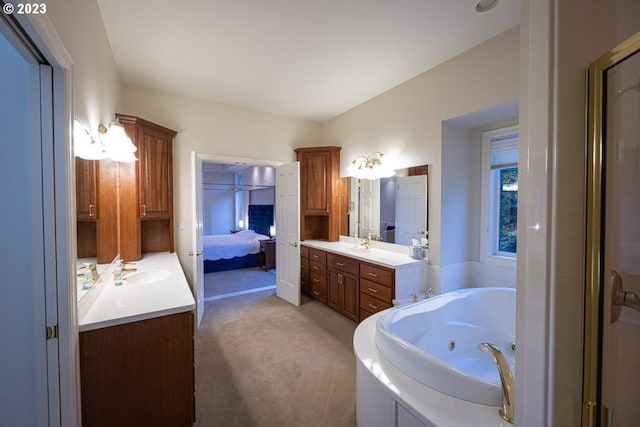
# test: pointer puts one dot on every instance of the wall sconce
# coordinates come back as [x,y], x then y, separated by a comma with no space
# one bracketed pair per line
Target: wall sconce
[118,145]
[112,143]
[370,167]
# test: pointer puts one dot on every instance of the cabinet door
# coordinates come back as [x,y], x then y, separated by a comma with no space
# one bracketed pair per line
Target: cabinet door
[350,296]
[86,188]
[315,183]
[155,181]
[334,289]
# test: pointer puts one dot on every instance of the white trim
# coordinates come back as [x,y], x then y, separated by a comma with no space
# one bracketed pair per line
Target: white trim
[44,36]
[486,209]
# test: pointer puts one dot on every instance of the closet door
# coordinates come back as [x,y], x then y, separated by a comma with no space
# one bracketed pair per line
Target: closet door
[29,394]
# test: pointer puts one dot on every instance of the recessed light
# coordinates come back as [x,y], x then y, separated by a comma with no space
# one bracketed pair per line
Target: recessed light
[485,5]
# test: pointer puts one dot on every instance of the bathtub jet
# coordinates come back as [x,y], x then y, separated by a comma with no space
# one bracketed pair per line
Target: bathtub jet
[436,341]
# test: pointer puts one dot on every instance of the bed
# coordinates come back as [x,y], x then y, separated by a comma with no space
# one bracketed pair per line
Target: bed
[242,249]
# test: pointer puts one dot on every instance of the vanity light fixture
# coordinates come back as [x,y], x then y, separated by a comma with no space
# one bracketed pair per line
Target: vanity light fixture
[112,143]
[370,167]
[118,145]
[486,5]
[85,146]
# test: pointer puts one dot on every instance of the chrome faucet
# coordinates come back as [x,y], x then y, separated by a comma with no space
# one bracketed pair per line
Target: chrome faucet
[506,380]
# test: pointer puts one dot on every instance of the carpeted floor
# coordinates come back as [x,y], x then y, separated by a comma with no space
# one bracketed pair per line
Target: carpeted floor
[263,362]
[228,282]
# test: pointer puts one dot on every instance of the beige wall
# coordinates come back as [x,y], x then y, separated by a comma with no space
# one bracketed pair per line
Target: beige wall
[405,123]
[216,129]
[96,85]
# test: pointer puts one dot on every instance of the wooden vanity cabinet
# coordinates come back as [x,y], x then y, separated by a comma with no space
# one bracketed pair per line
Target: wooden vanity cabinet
[146,196]
[139,373]
[343,285]
[319,192]
[377,289]
[305,284]
[318,274]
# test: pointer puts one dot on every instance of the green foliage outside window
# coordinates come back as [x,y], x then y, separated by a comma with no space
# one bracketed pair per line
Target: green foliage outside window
[507,233]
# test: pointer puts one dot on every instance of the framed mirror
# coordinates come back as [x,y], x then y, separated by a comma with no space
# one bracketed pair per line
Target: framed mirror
[392,210]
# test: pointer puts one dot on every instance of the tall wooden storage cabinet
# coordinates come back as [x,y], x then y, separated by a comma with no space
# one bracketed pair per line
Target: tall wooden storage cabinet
[97,209]
[320,195]
[146,190]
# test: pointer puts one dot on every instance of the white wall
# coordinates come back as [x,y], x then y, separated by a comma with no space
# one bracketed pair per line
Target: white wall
[96,87]
[405,122]
[216,129]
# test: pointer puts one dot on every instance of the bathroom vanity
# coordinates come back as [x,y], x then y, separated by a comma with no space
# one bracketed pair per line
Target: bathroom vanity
[358,281]
[136,347]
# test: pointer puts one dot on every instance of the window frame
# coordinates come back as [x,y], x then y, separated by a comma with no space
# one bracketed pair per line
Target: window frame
[490,205]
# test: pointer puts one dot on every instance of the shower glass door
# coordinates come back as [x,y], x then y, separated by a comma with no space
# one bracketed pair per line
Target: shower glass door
[612,338]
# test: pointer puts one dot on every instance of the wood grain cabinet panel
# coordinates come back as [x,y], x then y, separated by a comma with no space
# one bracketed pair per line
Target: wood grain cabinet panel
[86,188]
[146,190]
[320,193]
[139,373]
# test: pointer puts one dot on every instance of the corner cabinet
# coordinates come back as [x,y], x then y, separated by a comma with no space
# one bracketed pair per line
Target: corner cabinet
[146,197]
[320,192]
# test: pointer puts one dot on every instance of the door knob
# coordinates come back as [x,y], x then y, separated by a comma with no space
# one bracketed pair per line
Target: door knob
[294,244]
[621,298]
[191,253]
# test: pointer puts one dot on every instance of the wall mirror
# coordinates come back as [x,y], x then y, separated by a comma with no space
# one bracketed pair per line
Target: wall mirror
[392,210]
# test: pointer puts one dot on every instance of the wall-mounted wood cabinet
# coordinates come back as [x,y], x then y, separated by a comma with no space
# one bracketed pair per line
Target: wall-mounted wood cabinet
[146,190]
[97,209]
[319,192]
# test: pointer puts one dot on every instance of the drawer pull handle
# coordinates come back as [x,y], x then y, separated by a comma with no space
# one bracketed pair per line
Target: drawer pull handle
[316,281]
[316,293]
[373,306]
[315,256]
[339,264]
[373,274]
[315,268]
[375,291]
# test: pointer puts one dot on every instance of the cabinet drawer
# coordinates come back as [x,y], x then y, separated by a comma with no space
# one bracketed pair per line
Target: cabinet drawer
[372,304]
[317,255]
[318,280]
[304,251]
[304,267]
[377,274]
[319,293]
[375,290]
[364,314]
[348,265]
[316,267]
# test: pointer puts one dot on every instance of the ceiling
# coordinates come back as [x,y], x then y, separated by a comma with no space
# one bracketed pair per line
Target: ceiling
[308,59]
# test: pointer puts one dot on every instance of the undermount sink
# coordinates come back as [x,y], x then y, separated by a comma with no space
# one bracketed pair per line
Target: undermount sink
[149,276]
[358,249]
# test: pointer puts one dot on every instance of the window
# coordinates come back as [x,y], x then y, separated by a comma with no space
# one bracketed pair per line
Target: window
[500,193]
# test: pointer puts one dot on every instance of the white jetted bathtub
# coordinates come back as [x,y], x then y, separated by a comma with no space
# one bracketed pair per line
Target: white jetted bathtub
[435,341]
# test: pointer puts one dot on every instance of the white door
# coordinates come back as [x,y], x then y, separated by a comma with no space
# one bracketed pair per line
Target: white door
[288,232]
[196,250]
[411,208]
[29,369]
[369,207]
[621,256]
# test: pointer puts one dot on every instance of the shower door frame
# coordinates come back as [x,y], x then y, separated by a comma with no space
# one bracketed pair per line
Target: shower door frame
[594,414]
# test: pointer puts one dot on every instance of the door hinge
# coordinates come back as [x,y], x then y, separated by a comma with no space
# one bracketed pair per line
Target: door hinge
[52,332]
[590,415]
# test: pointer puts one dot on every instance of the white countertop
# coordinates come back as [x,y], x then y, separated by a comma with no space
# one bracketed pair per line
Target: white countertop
[432,407]
[115,305]
[387,258]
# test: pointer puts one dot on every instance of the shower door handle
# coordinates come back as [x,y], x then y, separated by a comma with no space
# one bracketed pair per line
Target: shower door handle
[621,298]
